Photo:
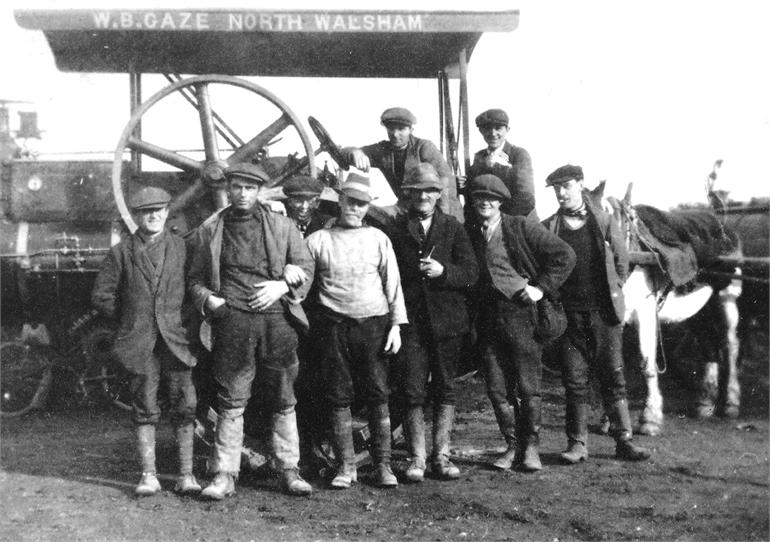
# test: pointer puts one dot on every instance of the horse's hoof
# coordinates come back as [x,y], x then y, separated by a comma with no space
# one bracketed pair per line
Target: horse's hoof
[704,412]
[649,429]
[730,411]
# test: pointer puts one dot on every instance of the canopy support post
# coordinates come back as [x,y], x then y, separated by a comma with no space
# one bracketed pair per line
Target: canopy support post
[135,85]
[464,111]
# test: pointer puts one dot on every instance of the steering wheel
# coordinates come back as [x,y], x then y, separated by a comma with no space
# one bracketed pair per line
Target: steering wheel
[195,178]
[327,145]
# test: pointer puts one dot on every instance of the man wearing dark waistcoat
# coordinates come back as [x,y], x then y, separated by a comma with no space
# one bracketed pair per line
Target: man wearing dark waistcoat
[520,261]
[141,284]
[438,269]
[593,300]
[243,277]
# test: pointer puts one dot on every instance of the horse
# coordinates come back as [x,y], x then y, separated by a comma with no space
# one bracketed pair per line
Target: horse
[707,304]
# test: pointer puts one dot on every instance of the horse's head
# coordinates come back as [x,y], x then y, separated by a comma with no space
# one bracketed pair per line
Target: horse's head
[620,209]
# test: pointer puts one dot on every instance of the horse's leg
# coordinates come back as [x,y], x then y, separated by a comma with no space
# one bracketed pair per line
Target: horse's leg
[651,418]
[728,304]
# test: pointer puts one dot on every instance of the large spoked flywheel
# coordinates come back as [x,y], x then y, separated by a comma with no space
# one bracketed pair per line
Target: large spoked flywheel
[185,136]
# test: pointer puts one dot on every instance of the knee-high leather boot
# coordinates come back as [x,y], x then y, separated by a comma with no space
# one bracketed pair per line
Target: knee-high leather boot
[530,435]
[379,425]
[576,423]
[443,420]
[342,444]
[414,425]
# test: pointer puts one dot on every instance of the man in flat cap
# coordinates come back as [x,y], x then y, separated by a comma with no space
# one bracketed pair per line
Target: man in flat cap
[592,297]
[520,261]
[509,163]
[401,152]
[360,310]
[250,271]
[438,269]
[303,195]
[140,284]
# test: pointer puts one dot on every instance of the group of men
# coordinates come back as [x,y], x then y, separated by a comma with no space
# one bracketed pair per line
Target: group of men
[343,309]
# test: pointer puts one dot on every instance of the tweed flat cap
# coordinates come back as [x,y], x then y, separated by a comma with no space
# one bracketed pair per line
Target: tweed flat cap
[357,187]
[422,177]
[302,185]
[489,185]
[492,117]
[398,115]
[564,174]
[247,171]
[149,197]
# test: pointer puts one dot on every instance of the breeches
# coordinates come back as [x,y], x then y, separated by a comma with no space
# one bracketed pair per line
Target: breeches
[163,367]
[251,347]
[353,360]
[590,345]
[421,355]
[511,356]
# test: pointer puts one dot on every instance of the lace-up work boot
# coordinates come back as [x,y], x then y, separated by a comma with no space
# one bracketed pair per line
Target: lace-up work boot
[223,485]
[575,453]
[186,484]
[294,484]
[624,448]
[384,477]
[148,485]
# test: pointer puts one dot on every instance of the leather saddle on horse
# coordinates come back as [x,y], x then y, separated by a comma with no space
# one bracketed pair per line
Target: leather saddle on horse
[686,240]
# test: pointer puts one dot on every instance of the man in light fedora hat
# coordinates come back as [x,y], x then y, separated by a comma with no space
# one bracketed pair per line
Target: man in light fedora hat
[140,284]
[360,307]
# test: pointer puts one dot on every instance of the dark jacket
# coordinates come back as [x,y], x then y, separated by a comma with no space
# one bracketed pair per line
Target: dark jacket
[147,303]
[441,301]
[536,254]
[612,249]
[417,151]
[517,178]
[317,222]
[283,244]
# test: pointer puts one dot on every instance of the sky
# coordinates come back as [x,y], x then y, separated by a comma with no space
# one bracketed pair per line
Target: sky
[648,92]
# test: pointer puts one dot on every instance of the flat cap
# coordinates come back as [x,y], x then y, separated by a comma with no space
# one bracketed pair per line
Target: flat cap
[492,117]
[357,187]
[248,171]
[489,185]
[149,197]
[564,174]
[422,177]
[398,115]
[302,185]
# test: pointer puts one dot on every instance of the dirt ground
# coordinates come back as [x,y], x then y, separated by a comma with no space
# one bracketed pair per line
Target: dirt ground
[68,474]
